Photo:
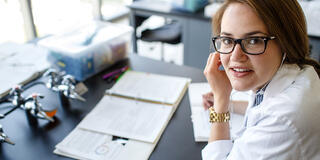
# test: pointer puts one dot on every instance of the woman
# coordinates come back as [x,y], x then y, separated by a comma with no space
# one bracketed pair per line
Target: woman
[263,47]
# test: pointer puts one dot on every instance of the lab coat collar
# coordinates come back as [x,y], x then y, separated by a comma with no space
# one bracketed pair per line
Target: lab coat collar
[284,77]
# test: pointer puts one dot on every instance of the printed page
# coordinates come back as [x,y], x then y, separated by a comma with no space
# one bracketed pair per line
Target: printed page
[200,117]
[88,145]
[84,144]
[128,118]
[148,86]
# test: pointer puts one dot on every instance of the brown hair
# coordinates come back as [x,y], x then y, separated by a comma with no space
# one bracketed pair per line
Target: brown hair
[285,20]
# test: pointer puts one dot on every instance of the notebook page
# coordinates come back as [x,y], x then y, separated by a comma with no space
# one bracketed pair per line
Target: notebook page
[89,145]
[128,118]
[85,144]
[148,86]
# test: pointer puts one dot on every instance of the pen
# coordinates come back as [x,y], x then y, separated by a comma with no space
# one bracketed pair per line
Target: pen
[113,73]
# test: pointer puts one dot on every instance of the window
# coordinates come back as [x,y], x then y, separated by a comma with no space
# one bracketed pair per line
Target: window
[12,23]
[114,9]
[56,16]
[23,20]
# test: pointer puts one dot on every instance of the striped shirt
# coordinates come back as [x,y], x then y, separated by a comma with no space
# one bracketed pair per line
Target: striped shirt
[259,96]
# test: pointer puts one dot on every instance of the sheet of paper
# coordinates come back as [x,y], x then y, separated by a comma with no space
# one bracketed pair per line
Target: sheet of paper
[200,117]
[19,62]
[154,87]
[84,144]
[137,150]
[88,145]
[128,118]
[196,90]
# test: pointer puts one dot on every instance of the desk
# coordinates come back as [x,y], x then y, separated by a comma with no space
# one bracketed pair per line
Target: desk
[196,29]
[177,141]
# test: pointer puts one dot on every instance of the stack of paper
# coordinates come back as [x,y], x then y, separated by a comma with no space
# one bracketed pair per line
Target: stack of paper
[138,108]
[200,116]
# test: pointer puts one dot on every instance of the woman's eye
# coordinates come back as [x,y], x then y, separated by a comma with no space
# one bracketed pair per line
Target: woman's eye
[254,41]
[226,41]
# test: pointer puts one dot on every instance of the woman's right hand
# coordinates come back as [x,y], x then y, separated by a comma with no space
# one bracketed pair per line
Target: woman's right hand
[219,82]
[207,100]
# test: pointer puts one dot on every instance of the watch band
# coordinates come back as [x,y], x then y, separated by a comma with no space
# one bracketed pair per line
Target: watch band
[218,117]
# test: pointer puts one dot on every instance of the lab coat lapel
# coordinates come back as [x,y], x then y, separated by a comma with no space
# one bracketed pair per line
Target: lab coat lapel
[284,77]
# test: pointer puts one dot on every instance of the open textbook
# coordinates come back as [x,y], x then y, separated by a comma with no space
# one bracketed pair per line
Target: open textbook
[200,116]
[138,108]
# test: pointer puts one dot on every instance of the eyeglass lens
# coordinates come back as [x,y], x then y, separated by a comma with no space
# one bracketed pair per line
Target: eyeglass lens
[252,45]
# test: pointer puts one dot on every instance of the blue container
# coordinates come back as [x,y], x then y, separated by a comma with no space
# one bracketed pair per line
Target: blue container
[84,52]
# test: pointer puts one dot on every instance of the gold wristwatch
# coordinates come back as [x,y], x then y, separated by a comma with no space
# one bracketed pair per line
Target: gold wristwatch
[218,117]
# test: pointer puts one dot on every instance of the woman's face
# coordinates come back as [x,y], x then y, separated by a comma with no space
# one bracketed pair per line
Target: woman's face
[247,72]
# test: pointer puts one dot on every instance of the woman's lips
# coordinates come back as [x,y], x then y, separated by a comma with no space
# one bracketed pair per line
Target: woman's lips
[240,72]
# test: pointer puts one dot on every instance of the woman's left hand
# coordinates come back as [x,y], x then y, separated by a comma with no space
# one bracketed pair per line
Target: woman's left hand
[219,82]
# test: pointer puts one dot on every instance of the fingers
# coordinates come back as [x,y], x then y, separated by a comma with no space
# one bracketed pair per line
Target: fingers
[213,63]
[210,96]
[207,100]
[216,60]
[209,60]
[206,69]
[207,104]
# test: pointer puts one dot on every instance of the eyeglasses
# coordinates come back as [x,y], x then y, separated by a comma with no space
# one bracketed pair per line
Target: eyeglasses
[250,45]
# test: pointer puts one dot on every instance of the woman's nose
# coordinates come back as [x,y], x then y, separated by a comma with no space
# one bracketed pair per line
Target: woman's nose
[238,54]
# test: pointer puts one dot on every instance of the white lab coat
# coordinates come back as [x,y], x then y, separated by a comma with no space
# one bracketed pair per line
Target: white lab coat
[285,125]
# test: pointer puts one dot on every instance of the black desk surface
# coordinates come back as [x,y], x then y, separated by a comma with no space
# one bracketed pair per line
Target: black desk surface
[161,7]
[37,142]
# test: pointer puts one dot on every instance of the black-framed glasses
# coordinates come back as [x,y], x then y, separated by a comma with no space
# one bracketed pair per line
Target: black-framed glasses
[251,45]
